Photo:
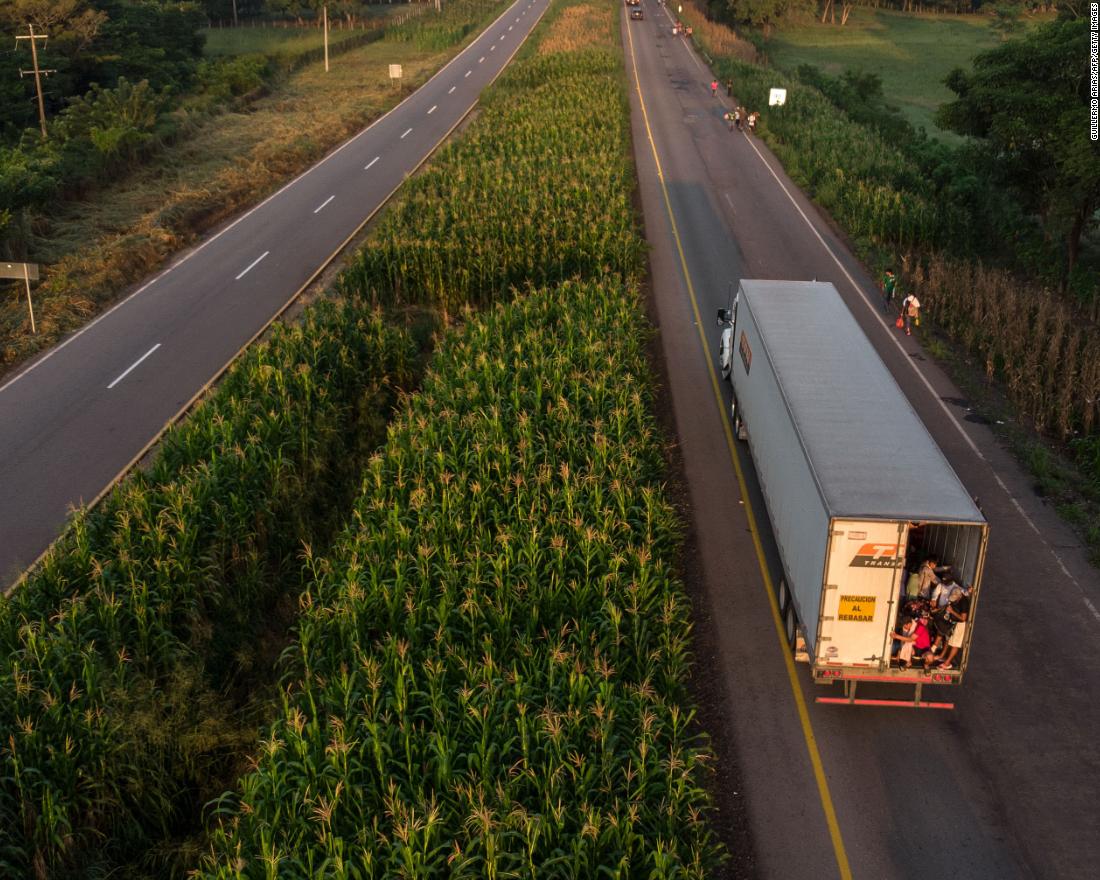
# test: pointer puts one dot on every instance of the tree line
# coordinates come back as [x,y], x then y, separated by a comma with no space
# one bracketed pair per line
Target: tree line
[767,14]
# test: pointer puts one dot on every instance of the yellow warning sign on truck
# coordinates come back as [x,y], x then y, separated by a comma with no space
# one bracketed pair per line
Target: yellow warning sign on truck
[857,608]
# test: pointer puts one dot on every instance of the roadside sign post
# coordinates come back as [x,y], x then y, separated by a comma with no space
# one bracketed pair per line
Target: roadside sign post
[28,272]
[777,97]
[395,73]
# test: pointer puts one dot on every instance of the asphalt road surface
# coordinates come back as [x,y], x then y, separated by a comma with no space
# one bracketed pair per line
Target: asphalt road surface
[1004,785]
[79,416]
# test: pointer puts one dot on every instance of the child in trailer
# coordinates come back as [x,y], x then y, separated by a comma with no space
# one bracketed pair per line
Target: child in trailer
[906,638]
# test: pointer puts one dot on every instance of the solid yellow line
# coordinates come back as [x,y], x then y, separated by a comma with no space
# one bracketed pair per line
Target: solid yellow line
[796,690]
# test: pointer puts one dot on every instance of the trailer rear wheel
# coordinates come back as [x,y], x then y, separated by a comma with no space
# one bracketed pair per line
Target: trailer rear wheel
[738,422]
[784,596]
[791,626]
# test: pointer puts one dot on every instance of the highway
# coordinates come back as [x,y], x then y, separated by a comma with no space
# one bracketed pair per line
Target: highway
[79,416]
[1003,786]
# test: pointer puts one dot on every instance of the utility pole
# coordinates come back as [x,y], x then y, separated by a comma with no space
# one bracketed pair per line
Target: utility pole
[324,19]
[38,73]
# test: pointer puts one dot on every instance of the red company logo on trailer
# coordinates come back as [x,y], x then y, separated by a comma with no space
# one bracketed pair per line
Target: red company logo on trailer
[877,556]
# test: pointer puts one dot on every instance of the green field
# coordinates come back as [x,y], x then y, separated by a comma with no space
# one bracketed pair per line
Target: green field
[911,53]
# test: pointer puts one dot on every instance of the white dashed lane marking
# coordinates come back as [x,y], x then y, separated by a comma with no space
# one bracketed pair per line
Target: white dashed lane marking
[132,366]
[251,265]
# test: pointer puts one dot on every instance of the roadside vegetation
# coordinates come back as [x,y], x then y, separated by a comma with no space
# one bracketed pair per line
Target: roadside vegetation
[199,151]
[488,645]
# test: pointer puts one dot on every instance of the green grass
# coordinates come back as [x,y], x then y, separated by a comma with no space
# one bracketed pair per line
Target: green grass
[911,53]
[269,41]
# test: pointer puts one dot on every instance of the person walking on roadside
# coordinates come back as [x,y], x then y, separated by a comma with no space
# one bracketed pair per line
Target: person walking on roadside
[714,88]
[752,121]
[729,88]
[886,285]
[910,311]
[728,116]
[739,117]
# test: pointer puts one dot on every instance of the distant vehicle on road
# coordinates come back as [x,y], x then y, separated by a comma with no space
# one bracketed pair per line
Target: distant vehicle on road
[858,493]
[637,12]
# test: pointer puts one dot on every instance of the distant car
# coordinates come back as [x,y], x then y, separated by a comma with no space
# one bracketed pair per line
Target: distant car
[633,2]
[637,12]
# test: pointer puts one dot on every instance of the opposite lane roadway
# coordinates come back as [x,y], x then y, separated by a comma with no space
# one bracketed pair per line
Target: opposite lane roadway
[1003,786]
[79,416]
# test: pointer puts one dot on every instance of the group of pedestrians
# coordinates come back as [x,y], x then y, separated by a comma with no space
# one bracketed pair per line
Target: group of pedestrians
[909,315]
[738,117]
[932,623]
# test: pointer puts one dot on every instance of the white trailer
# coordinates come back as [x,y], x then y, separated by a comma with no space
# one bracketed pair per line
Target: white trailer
[853,483]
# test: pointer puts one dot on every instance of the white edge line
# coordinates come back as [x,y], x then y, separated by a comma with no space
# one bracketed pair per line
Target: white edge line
[318,209]
[371,162]
[251,265]
[187,256]
[133,366]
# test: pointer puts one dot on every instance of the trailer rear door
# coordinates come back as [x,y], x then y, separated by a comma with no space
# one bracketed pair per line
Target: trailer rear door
[863,573]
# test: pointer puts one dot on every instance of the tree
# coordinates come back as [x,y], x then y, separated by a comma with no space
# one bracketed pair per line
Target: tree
[828,7]
[1027,103]
[765,14]
[1006,20]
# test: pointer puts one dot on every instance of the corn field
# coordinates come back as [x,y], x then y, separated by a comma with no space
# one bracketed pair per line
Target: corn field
[147,585]
[1043,350]
[867,185]
[489,676]
[537,192]
[434,31]
[489,673]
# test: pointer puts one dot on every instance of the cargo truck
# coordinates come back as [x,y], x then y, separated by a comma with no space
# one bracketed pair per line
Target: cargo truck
[857,490]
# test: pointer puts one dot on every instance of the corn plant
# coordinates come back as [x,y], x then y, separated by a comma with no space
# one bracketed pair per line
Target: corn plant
[105,643]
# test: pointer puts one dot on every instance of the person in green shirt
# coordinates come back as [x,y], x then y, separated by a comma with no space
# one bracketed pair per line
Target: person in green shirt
[886,285]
